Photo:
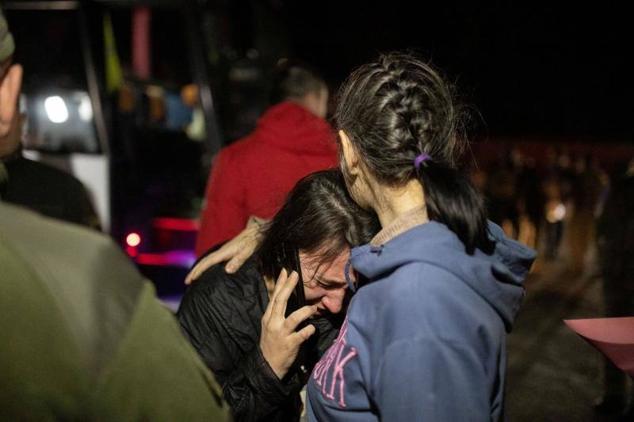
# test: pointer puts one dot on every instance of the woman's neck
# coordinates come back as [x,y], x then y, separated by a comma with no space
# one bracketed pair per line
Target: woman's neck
[389,203]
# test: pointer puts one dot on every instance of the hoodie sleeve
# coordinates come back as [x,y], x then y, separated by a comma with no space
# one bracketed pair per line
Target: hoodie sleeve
[444,374]
[224,214]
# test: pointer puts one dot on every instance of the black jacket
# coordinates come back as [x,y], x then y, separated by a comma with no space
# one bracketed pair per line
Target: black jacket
[221,314]
[47,190]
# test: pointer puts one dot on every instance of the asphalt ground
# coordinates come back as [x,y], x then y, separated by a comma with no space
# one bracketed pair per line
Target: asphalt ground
[554,375]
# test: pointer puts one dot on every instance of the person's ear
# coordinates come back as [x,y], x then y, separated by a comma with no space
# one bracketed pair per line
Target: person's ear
[350,155]
[9,92]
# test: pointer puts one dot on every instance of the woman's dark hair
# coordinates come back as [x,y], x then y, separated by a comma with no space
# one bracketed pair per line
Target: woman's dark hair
[318,214]
[293,80]
[399,107]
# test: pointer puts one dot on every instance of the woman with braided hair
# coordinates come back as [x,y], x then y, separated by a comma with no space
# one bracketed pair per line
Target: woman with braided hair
[424,338]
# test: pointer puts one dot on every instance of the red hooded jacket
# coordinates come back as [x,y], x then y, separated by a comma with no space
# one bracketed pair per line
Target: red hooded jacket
[253,175]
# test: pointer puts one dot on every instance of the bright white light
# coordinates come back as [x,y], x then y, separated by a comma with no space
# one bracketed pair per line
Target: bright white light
[56,109]
[560,212]
[556,214]
[85,108]
[133,239]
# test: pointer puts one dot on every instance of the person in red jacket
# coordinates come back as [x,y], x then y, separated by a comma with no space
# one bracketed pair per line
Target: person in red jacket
[251,177]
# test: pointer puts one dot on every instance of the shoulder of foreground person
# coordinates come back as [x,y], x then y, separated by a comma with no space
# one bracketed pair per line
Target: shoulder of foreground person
[111,348]
[157,373]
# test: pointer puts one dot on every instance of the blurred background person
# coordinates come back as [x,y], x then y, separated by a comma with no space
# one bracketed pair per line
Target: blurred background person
[502,195]
[615,243]
[252,176]
[530,203]
[25,182]
[587,186]
[84,337]
[554,206]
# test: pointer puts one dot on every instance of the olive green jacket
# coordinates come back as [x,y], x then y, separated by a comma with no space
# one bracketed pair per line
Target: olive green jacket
[83,336]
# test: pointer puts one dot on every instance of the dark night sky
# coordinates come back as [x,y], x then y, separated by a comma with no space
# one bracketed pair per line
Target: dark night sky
[528,68]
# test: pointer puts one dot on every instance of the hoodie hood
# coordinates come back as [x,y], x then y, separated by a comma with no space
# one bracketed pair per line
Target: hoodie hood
[291,127]
[497,278]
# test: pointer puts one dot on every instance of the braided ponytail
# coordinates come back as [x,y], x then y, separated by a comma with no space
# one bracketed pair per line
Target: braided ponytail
[398,108]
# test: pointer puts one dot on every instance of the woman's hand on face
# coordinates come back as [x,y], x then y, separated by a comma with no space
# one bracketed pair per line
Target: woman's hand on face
[236,251]
[279,342]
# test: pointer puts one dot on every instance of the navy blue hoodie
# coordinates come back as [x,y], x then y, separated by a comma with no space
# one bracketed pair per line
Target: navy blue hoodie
[425,340]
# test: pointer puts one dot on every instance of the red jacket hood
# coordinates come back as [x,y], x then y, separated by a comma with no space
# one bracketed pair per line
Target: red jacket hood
[291,127]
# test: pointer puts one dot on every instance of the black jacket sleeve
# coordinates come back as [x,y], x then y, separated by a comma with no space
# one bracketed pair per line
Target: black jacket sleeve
[223,324]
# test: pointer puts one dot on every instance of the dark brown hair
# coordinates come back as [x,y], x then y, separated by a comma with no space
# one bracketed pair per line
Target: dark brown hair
[318,214]
[397,108]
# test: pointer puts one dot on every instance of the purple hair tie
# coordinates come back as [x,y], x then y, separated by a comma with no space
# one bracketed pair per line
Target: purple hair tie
[420,159]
